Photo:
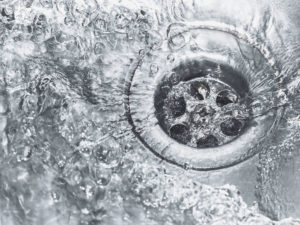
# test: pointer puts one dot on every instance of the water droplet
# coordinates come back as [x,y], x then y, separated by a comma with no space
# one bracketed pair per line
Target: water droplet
[176,35]
[177,42]
[61,163]
[74,177]
[142,52]
[154,68]
[43,83]
[69,20]
[108,153]
[170,58]
[100,24]
[101,175]
[101,153]
[55,196]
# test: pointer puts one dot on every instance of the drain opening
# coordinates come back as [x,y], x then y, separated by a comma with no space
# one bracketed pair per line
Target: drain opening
[200,109]
[197,111]
[226,97]
[231,127]
[177,106]
[209,141]
[180,133]
[199,90]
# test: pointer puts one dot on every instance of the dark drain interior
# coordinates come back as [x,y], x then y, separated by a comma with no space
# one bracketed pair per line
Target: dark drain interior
[202,104]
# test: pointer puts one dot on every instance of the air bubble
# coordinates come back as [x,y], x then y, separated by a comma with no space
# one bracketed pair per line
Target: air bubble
[170,58]
[142,52]
[69,20]
[154,68]
[101,153]
[101,175]
[55,196]
[176,36]
[101,24]
[74,177]
[99,48]
[177,42]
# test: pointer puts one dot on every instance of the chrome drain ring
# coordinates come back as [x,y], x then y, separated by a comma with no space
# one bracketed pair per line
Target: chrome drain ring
[141,111]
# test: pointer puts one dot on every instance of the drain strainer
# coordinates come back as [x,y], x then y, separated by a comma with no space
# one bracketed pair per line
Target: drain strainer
[201,110]
[194,107]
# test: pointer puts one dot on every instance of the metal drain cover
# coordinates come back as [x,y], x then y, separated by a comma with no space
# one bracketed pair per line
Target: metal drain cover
[202,111]
[195,109]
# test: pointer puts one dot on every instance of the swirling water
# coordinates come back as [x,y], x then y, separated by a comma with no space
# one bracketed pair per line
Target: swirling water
[68,155]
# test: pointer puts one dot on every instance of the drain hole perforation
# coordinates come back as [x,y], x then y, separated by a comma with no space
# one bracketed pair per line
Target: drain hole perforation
[199,90]
[209,141]
[226,97]
[180,133]
[177,106]
[231,127]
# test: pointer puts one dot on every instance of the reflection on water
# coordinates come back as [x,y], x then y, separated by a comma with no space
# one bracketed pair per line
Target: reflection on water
[68,155]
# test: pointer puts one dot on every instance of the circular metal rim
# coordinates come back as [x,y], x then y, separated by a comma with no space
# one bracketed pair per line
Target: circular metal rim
[193,158]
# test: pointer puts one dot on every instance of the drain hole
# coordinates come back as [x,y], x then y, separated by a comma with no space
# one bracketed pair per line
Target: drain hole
[226,97]
[209,141]
[177,106]
[192,103]
[199,90]
[180,133]
[231,127]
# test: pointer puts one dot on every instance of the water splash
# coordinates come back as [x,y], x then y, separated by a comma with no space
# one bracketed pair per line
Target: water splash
[67,152]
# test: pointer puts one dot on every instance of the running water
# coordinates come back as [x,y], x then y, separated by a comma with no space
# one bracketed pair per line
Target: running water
[68,154]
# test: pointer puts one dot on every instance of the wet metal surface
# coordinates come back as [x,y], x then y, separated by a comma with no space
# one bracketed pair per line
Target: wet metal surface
[163,112]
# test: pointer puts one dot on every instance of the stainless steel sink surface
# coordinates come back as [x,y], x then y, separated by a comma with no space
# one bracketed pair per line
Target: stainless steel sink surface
[162,112]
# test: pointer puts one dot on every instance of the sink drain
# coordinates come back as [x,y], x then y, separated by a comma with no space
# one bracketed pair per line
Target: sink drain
[194,106]
[201,110]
